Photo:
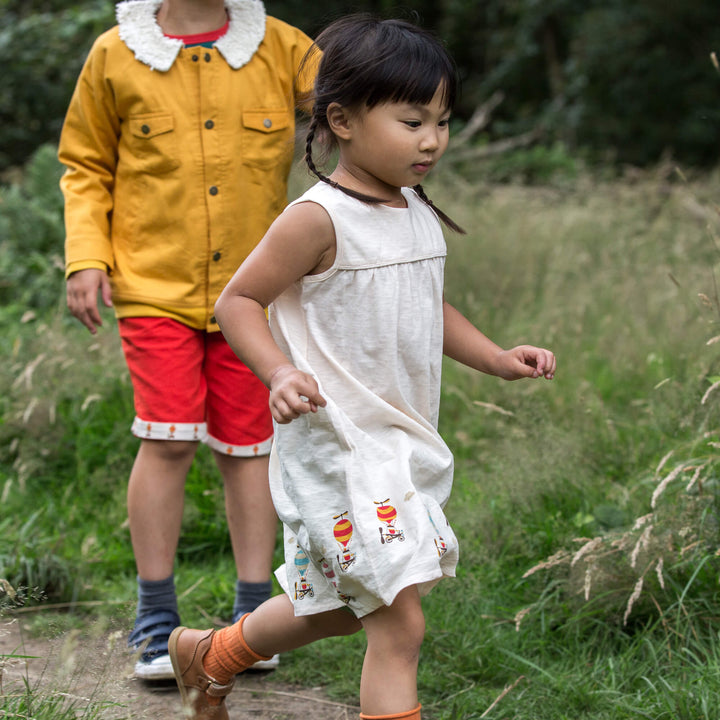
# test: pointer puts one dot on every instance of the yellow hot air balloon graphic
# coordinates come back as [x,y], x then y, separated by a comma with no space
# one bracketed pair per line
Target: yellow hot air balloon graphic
[387,514]
[343,530]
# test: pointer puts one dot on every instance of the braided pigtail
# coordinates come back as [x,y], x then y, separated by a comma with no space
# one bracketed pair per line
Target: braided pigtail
[445,218]
[308,152]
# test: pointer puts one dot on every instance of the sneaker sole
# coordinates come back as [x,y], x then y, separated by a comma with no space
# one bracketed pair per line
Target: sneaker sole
[271,664]
[160,668]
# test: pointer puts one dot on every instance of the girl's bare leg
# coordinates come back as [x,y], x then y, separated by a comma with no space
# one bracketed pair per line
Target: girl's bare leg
[273,628]
[395,633]
[388,684]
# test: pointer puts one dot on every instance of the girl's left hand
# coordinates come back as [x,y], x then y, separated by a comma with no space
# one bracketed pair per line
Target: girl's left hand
[525,361]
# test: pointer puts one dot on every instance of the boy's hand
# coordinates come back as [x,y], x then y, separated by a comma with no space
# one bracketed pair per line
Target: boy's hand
[293,393]
[82,290]
[525,361]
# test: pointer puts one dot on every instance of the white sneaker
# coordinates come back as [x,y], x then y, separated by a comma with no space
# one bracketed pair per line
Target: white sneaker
[270,664]
[159,668]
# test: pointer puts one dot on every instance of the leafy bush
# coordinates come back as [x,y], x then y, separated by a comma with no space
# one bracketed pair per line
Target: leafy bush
[43,51]
[31,238]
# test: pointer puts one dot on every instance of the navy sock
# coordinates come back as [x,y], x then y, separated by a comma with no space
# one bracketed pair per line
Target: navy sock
[248,596]
[156,595]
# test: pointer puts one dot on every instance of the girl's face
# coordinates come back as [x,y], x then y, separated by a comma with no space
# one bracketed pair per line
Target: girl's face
[392,145]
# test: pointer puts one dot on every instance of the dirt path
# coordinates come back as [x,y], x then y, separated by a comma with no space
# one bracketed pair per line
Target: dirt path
[94,667]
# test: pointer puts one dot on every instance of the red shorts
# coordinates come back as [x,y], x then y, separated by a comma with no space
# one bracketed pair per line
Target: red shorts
[189,385]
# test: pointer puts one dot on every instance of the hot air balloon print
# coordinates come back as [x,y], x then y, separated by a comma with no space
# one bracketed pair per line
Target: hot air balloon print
[332,579]
[343,530]
[387,514]
[303,587]
[440,544]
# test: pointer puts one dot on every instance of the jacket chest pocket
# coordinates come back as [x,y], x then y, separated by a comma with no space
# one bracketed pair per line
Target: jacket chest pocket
[152,142]
[267,137]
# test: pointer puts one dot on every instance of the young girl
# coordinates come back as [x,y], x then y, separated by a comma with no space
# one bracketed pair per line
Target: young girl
[353,275]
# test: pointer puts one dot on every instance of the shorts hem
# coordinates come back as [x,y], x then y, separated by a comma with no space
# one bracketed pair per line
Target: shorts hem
[253,450]
[196,432]
[148,430]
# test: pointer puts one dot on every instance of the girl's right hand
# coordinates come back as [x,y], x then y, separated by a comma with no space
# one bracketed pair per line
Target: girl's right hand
[293,393]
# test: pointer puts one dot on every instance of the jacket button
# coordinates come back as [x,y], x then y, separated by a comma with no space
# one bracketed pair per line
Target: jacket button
[213,320]
[267,122]
[207,57]
[145,129]
[209,124]
[195,58]
[216,256]
[213,190]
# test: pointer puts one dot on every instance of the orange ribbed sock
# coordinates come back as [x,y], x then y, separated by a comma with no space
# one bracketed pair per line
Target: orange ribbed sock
[229,654]
[409,715]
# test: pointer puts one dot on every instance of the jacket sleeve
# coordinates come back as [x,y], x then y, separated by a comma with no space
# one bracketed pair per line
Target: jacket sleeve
[88,148]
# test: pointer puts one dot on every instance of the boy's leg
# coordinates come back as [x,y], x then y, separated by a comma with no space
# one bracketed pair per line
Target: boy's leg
[156,497]
[252,523]
[388,686]
[240,434]
[155,505]
[165,360]
[252,520]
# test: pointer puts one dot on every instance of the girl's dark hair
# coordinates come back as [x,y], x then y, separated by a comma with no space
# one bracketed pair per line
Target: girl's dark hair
[366,62]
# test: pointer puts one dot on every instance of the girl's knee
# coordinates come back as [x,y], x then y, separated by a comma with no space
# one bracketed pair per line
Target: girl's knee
[398,629]
[412,629]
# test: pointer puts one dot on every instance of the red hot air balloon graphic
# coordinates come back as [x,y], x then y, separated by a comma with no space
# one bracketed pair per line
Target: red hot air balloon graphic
[387,514]
[303,587]
[332,579]
[343,531]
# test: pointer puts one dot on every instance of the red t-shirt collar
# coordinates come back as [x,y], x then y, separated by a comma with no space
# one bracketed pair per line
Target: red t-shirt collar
[206,37]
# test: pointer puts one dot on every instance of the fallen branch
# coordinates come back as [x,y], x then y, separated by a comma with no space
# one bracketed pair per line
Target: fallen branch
[63,606]
[507,690]
[479,119]
[494,148]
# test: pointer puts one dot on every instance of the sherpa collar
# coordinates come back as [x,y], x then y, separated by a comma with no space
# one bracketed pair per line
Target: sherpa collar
[140,31]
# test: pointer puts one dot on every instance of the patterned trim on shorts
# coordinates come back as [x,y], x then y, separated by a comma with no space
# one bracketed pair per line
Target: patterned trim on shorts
[196,432]
[256,449]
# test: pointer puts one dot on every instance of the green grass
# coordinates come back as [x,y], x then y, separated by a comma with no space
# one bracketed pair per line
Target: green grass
[618,278]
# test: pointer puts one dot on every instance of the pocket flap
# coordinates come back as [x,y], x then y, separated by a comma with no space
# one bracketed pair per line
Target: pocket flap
[266,121]
[148,126]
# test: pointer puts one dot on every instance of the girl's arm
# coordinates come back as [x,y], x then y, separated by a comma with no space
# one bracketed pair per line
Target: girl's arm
[300,242]
[463,342]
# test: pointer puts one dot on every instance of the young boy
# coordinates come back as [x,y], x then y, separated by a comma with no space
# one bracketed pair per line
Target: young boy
[178,143]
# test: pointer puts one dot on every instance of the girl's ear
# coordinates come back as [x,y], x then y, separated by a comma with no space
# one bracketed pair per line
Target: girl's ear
[338,120]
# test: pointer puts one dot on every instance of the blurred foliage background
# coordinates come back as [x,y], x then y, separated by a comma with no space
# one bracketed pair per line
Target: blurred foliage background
[617,81]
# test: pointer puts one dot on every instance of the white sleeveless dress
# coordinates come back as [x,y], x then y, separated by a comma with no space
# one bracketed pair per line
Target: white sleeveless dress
[360,485]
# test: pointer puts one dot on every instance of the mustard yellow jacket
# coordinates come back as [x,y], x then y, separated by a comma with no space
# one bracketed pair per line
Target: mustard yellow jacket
[177,158]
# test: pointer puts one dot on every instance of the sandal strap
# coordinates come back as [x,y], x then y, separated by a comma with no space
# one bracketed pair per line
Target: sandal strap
[152,630]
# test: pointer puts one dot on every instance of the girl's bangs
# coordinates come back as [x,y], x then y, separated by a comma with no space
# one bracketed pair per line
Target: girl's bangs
[415,81]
